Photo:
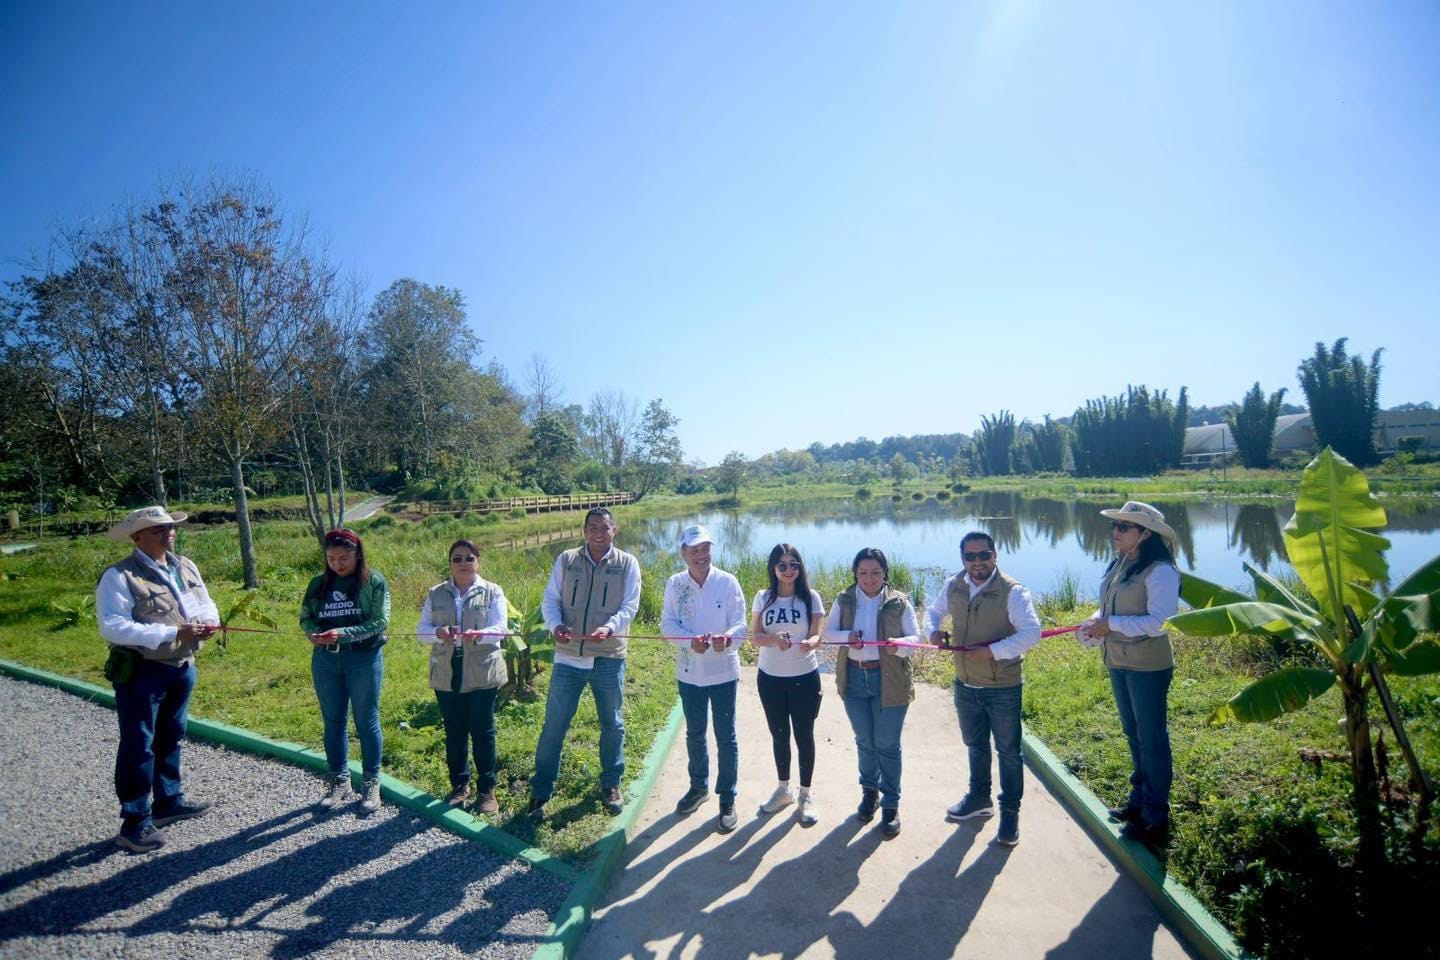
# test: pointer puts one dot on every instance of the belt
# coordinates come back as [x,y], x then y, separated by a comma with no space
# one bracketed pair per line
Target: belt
[865,664]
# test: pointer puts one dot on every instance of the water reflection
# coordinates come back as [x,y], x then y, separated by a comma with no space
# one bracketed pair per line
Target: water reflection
[1039,538]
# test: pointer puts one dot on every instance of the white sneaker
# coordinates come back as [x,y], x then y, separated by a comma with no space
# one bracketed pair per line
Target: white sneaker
[807,812]
[779,800]
[370,796]
[337,791]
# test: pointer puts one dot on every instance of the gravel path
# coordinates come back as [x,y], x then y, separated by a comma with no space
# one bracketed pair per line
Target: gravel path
[261,876]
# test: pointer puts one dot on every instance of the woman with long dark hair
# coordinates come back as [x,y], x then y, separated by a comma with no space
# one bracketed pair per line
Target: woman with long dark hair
[1138,593]
[345,613]
[466,671]
[874,680]
[785,622]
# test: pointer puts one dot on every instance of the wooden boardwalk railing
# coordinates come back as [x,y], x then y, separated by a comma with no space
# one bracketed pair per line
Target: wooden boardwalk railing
[571,501]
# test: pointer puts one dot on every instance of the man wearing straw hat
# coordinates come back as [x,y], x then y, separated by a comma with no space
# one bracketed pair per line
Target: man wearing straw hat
[154,610]
[993,623]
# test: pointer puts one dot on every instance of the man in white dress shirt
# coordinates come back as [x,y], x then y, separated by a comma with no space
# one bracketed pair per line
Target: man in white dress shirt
[155,612]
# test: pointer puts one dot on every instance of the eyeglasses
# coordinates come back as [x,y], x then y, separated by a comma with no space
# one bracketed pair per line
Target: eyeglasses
[465,559]
[974,555]
[785,565]
[1124,527]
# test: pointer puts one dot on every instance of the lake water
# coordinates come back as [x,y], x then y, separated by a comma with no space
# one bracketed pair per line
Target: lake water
[1039,539]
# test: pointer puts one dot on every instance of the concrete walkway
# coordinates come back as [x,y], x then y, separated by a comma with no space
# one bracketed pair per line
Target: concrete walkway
[366,509]
[838,889]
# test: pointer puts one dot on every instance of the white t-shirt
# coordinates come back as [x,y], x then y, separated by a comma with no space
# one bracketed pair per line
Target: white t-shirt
[787,615]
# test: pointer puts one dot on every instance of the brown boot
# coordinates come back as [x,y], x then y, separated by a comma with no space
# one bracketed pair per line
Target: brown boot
[459,795]
[487,804]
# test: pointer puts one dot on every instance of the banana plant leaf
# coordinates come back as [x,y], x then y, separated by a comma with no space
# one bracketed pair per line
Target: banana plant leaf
[1282,692]
[1424,580]
[1245,616]
[1404,618]
[1200,593]
[241,607]
[1324,539]
[1415,660]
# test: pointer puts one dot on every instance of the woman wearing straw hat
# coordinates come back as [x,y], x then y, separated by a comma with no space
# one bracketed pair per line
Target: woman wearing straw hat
[1138,593]
[345,613]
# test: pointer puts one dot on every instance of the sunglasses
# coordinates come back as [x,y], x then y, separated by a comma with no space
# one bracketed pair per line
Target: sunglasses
[974,555]
[785,565]
[465,559]
[1124,527]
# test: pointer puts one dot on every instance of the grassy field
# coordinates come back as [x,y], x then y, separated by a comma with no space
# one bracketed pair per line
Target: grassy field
[1262,836]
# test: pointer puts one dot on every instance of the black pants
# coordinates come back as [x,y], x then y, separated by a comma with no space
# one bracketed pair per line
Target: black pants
[469,723]
[791,702]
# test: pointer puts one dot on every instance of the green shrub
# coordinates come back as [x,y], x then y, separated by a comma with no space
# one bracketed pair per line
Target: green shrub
[863,493]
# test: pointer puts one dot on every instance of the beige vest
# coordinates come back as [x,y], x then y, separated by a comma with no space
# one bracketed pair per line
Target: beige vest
[1129,599]
[897,683]
[155,603]
[484,666]
[590,594]
[984,618]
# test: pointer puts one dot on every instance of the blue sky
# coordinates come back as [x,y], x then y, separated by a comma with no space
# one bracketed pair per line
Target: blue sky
[799,221]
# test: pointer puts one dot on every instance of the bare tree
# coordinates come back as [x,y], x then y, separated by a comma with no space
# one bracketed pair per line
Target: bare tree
[611,421]
[242,291]
[547,392]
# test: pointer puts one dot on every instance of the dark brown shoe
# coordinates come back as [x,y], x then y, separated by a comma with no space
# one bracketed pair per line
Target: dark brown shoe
[611,800]
[459,795]
[487,804]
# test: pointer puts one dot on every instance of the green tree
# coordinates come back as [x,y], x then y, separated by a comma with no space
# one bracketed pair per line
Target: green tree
[657,450]
[994,444]
[1344,397]
[731,474]
[552,454]
[1137,433]
[1253,425]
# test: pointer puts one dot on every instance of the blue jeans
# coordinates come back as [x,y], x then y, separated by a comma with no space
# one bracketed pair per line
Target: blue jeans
[349,680]
[877,734]
[469,717]
[1140,696]
[992,711]
[152,710]
[700,703]
[607,682]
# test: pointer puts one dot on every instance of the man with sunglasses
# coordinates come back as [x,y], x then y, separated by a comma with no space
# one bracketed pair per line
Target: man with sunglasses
[993,623]
[155,612]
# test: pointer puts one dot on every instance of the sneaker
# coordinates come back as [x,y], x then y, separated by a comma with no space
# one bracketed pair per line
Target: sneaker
[869,803]
[727,819]
[692,800]
[487,803]
[536,810]
[970,808]
[1125,814]
[459,795]
[611,800]
[890,822]
[140,836]
[337,791]
[779,800]
[370,796]
[181,811]
[1009,833]
[806,812]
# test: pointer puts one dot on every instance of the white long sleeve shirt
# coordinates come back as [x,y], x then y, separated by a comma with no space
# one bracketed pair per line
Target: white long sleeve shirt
[495,618]
[619,623]
[114,607]
[692,609]
[1162,601]
[867,614]
[1018,605]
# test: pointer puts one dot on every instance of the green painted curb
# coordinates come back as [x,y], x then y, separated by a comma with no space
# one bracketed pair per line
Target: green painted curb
[396,791]
[562,940]
[1178,905]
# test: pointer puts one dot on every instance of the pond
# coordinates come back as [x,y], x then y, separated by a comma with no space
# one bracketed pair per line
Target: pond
[1040,540]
